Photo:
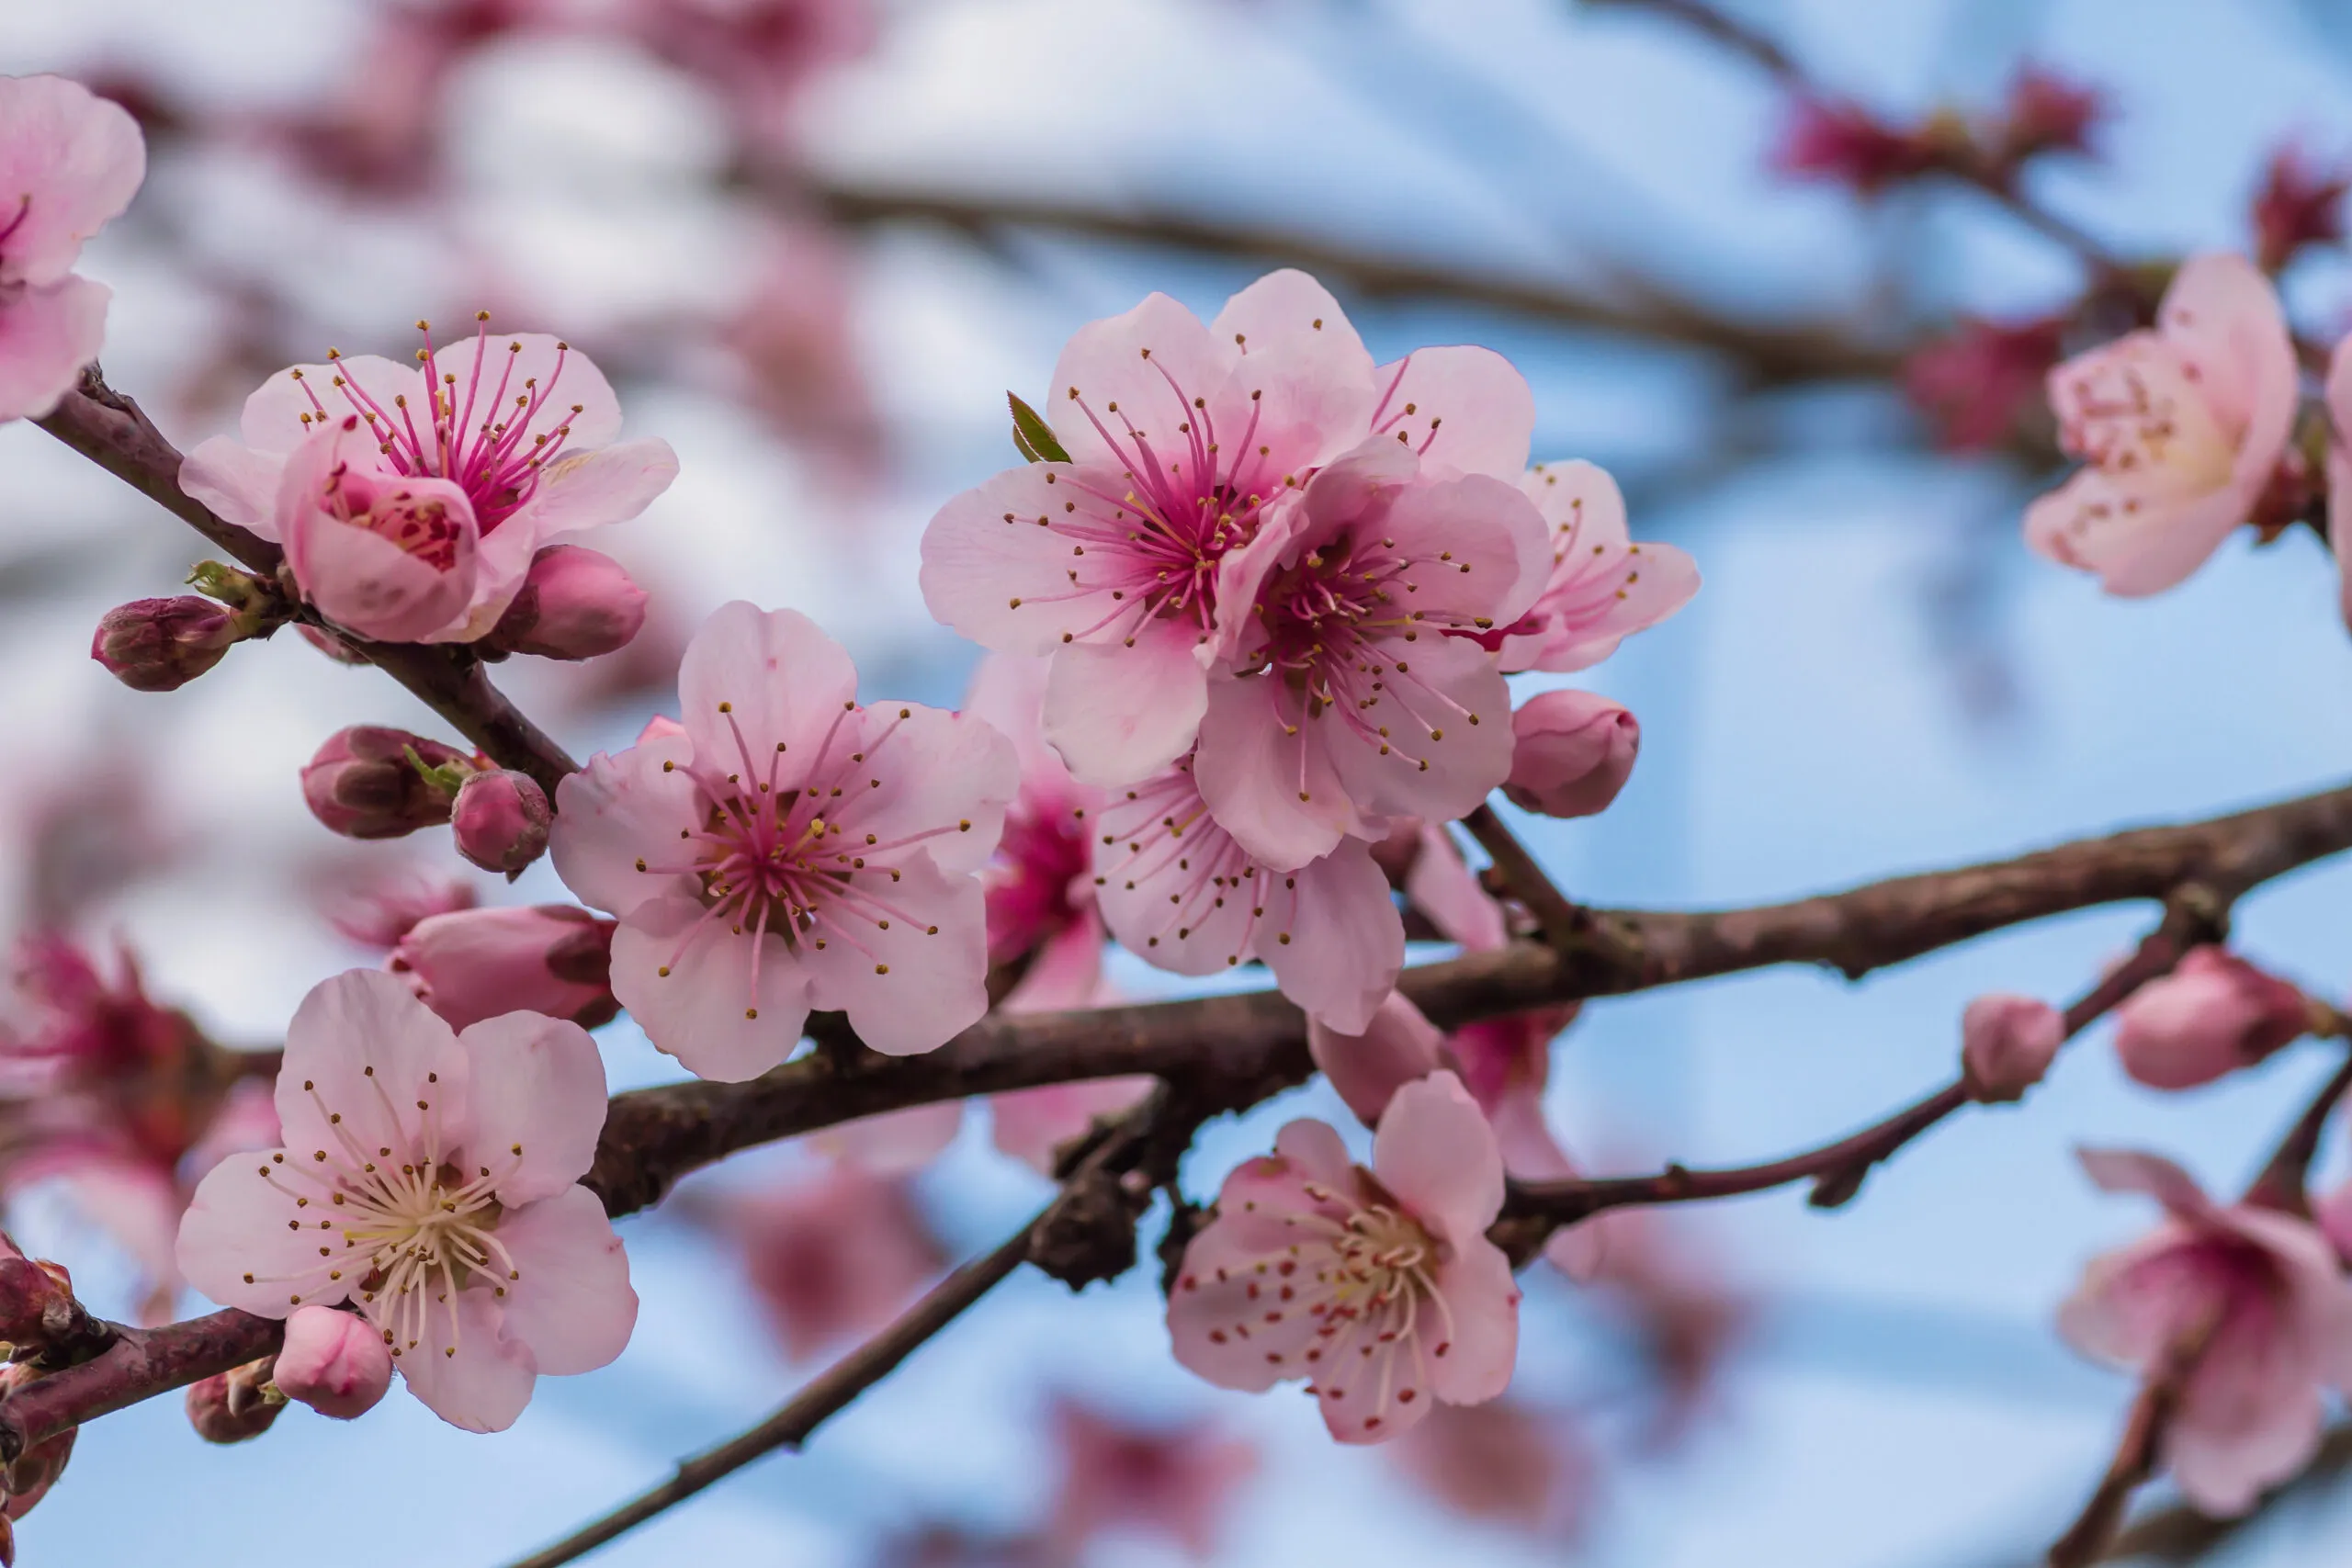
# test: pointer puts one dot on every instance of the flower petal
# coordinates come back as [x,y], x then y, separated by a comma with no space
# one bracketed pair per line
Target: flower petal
[622,809]
[914,987]
[1120,713]
[1460,407]
[774,678]
[538,1094]
[1435,1152]
[572,1305]
[1335,942]
[703,1011]
[239,1225]
[466,1374]
[368,1067]
[46,334]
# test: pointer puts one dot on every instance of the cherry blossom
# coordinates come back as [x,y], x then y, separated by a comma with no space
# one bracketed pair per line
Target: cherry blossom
[1039,883]
[498,452]
[1508,1461]
[1182,440]
[69,161]
[831,1257]
[1176,1481]
[2179,429]
[1379,1286]
[457,1227]
[1603,587]
[1343,698]
[2212,1015]
[784,848]
[1180,893]
[2255,1303]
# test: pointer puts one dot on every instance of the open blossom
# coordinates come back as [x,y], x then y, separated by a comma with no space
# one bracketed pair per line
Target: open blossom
[831,1257]
[784,848]
[2253,1298]
[69,160]
[1176,1481]
[1179,892]
[412,500]
[1184,440]
[430,1178]
[2179,429]
[1379,1286]
[1603,587]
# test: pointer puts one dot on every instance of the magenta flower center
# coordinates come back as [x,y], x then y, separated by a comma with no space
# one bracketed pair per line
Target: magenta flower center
[420,525]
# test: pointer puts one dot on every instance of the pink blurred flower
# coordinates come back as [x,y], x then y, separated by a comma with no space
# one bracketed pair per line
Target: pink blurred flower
[481,1282]
[1040,893]
[1602,586]
[1978,382]
[471,965]
[789,850]
[2179,429]
[2006,1044]
[2213,1014]
[1176,1483]
[68,162]
[502,452]
[794,338]
[335,1362]
[2045,112]
[1380,1286]
[1122,577]
[1843,144]
[834,1257]
[376,910]
[2339,471]
[1686,1316]
[758,53]
[2301,203]
[1507,1463]
[1571,753]
[1179,892]
[2253,1299]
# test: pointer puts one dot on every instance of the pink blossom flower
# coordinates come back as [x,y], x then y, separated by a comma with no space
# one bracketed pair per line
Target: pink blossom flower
[68,162]
[1603,587]
[1040,889]
[2046,112]
[469,964]
[1399,1046]
[787,849]
[1571,753]
[1176,1483]
[2213,1014]
[1379,1286]
[2008,1043]
[501,452]
[1977,382]
[2253,1297]
[469,1246]
[335,1362]
[1181,440]
[372,781]
[2179,429]
[1180,893]
[1507,1461]
[2301,203]
[831,1257]
[1843,144]
[758,53]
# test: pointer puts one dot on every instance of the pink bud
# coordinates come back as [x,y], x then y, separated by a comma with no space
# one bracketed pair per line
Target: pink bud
[362,783]
[1397,1047]
[1845,144]
[230,1407]
[2047,113]
[500,820]
[2006,1044]
[478,964]
[2213,1014]
[335,1362]
[160,645]
[574,605]
[1573,753]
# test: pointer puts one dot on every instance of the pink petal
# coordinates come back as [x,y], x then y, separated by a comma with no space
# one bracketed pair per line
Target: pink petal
[471,1379]
[238,1224]
[1008,693]
[1120,713]
[913,988]
[1067,971]
[1442,887]
[1435,1152]
[1471,411]
[566,376]
[359,578]
[360,1020]
[1252,771]
[1367,1067]
[335,1362]
[1468,703]
[1483,547]
[537,1085]
[2154,545]
[937,770]
[1303,390]
[1172,885]
[1317,1151]
[46,334]
[73,159]
[1532,1153]
[2339,472]
[137,1205]
[1483,1297]
[1337,943]
[701,1010]
[895,1143]
[1030,1124]
[783,681]
[572,1307]
[1287,314]
[273,422]
[1602,587]
[2225,313]
[590,489]
[2128,1170]
[1149,362]
[997,560]
[236,481]
[619,810]
[2223,1471]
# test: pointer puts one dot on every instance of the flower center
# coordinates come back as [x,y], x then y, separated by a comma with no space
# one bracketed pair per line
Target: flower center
[421,526]
[2139,415]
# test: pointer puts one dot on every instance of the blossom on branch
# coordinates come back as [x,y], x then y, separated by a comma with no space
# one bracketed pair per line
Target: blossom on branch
[413,500]
[430,1178]
[1571,753]
[784,848]
[2248,1308]
[2212,1015]
[2301,203]
[1603,587]
[1379,1286]
[69,161]
[1175,1482]
[832,1256]
[2179,429]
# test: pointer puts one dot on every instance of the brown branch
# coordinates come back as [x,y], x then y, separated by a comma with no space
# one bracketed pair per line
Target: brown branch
[114,433]
[1562,921]
[2281,1183]
[2136,1455]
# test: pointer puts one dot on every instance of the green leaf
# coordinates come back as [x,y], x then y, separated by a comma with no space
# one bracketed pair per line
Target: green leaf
[1031,436]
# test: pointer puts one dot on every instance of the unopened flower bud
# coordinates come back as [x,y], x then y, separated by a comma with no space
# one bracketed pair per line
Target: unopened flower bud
[370,782]
[575,604]
[500,820]
[160,645]
[1397,1047]
[2213,1014]
[477,964]
[36,1300]
[36,1468]
[335,1362]
[1572,752]
[2006,1044]
[232,1406]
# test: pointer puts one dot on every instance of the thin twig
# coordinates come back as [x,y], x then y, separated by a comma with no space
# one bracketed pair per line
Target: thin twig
[2136,1455]
[2281,1184]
